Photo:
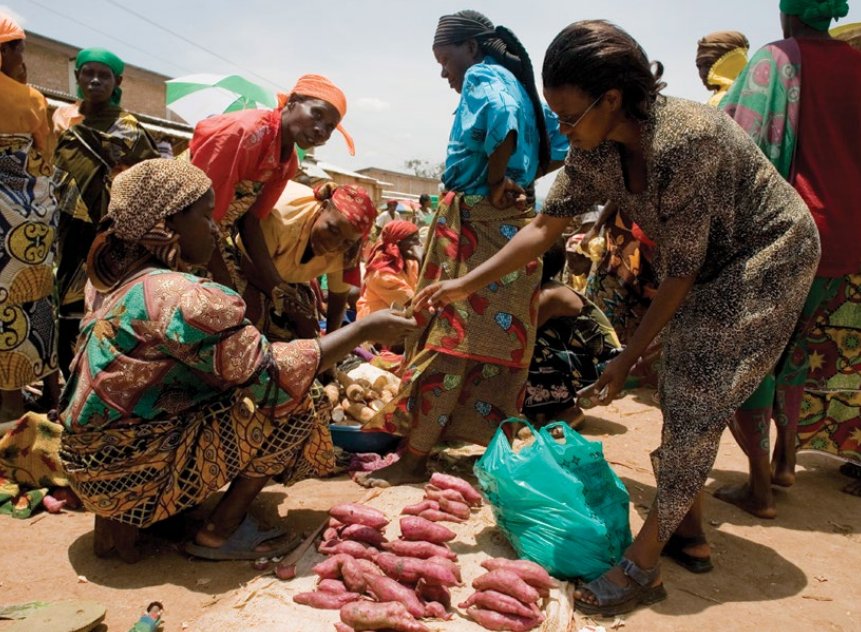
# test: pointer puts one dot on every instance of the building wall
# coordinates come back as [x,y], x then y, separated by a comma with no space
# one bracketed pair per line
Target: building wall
[403,183]
[51,63]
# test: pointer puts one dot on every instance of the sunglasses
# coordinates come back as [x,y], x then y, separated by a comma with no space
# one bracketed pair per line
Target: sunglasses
[572,124]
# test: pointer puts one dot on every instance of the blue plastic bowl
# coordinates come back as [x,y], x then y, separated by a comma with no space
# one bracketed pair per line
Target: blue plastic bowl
[352,439]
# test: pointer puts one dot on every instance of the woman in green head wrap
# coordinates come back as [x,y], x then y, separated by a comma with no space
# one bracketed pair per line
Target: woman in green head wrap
[808,129]
[817,14]
[98,140]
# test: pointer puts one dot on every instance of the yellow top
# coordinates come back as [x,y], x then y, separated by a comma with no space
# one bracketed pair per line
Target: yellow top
[724,72]
[23,110]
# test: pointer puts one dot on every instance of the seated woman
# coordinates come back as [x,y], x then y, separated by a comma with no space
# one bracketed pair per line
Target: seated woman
[309,233]
[574,339]
[173,393]
[392,271]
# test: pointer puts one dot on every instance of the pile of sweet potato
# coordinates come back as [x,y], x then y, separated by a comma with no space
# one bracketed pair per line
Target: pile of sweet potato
[507,596]
[358,395]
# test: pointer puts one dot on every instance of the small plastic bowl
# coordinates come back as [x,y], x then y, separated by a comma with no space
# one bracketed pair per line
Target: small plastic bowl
[352,439]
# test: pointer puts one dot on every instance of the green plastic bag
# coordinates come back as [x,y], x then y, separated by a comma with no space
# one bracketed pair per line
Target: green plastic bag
[560,504]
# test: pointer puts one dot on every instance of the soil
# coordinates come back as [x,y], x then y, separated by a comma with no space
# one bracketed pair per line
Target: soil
[798,572]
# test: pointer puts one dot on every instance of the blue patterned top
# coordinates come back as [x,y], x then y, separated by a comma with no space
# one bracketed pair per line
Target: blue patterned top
[492,104]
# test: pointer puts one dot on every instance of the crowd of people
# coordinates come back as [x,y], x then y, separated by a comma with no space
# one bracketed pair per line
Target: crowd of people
[178,302]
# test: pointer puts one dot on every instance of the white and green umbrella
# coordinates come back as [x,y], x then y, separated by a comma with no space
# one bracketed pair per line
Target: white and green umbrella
[194,97]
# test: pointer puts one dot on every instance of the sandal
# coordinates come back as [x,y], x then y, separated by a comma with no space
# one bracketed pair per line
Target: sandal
[614,600]
[242,542]
[675,550]
[851,470]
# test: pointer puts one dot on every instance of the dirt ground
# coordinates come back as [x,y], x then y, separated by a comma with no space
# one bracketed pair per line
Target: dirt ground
[798,572]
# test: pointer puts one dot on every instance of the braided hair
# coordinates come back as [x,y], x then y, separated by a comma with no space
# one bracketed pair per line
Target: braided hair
[505,47]
[597,56]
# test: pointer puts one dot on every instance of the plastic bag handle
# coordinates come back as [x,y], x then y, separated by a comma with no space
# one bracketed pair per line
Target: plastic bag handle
[570,436]
[517,420]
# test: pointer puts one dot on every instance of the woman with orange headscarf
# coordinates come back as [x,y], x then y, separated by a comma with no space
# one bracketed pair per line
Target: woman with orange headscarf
[393,268]
[250,156]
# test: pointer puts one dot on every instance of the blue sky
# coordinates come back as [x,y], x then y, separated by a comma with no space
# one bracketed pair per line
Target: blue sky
[379,51]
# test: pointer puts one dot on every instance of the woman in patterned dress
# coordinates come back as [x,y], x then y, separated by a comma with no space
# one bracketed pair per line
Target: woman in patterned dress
[173,392]
[28,224]
[467,371]
[100,139]
[736,253]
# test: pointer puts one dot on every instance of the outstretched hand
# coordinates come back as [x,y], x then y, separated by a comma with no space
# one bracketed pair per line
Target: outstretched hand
[388,326]
[608,386]
[437,295]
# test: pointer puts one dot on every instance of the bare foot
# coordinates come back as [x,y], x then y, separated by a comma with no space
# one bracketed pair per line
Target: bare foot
[853,488]
[409,469]
[208,537]
[783,466]
[742,497]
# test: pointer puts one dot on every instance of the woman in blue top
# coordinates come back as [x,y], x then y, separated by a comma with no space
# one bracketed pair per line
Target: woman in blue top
[467,370]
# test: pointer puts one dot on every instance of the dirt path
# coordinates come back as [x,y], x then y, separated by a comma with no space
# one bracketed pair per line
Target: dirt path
[798,572]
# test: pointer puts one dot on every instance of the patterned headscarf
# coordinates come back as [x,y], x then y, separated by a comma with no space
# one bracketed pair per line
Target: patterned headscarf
[816,13]
[715,45]
[320,87]
[134,228]
[352,202]
[385,254]
[106,57]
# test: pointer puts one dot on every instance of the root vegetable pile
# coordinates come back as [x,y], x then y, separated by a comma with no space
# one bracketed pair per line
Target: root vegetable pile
[358,395]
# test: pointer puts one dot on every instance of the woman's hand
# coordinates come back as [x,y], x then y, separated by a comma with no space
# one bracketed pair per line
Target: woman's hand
[505,193]
[607,387]
[438,295]
[387,326]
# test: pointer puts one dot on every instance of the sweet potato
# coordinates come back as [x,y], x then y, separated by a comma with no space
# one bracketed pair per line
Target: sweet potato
[343,627]
[334,586]
[335,524]
[362,533]
[446,481]
[454,507]
[416,528]
[435,610]
[353,513]
[368,567]
[387,589]
[435,515]
[530,572]
[500,602]
[490,620]
[353,576]
[331,533]
[410,570]
[423,550]
[348,547]
[330,568]
[507,582]
[367,615]
[435,493]
[325,600]
[444,561]
[414,510]
[438,594]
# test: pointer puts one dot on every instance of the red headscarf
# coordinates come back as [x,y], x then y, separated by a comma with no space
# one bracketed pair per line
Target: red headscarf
[352,202]
[385,255]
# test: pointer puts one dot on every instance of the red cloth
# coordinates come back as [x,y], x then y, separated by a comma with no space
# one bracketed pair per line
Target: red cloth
[241,146]
[828,153]
[385,255]
[356,205]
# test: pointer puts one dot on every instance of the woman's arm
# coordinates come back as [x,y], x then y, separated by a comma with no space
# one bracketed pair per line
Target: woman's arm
[384,326]
[670,296]
[267,276]
[503,192]
[530,242]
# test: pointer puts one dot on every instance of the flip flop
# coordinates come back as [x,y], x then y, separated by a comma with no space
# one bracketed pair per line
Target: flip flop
[675,550]
[242,542]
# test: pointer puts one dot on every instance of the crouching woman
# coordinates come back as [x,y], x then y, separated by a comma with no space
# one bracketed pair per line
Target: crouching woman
[173,393]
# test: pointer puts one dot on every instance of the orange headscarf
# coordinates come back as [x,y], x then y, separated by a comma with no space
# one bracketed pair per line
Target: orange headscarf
[319,87]
[9,30]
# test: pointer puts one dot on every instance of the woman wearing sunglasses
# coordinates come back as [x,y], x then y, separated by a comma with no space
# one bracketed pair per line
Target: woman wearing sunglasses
[736,253]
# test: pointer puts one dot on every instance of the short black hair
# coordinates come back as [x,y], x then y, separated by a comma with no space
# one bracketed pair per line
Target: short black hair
[554,261]
[424,197]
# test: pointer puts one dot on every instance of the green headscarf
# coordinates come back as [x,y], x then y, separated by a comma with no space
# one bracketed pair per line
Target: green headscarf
[816,13]
[107,58]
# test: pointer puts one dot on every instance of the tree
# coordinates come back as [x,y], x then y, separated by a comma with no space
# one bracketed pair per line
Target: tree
[425,169]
